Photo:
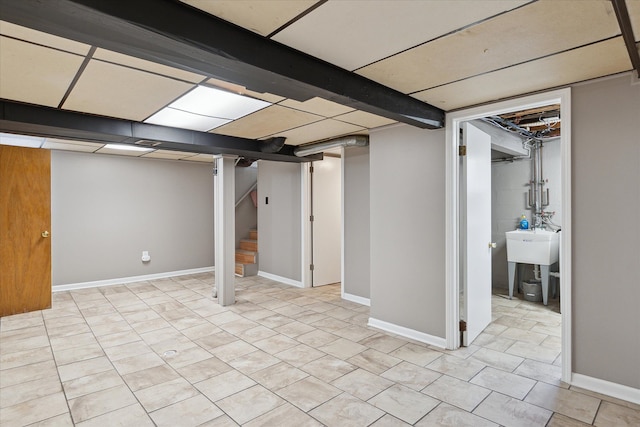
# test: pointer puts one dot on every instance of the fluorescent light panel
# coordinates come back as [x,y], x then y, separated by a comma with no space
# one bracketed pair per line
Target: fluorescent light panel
[185,120]
[206,108]
[125,147]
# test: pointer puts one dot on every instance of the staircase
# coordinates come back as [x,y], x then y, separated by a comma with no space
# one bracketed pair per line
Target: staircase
[247,256]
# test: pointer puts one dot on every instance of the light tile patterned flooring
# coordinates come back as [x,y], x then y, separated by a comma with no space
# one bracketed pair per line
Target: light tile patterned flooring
[162,353]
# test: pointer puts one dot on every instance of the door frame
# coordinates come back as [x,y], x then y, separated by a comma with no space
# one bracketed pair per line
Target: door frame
[452,211]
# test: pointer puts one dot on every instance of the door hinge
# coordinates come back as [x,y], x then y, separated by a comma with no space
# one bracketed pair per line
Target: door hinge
[311,218]
[311,169]
[463,326]
[311,267]
[462,150]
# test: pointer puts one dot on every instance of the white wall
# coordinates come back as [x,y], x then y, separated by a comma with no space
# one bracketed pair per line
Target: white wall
[606,235]
[407,182]
[279,226]
[356,222]
[105,210]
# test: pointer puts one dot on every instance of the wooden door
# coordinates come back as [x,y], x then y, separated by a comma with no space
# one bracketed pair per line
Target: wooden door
[25,224]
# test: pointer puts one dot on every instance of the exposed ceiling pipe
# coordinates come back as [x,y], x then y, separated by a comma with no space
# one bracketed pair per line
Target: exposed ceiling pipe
[272,145]
[319,147]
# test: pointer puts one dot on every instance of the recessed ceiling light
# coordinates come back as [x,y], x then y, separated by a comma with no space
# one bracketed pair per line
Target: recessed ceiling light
[126,147]
[21,140]
[218,103]
[185,120]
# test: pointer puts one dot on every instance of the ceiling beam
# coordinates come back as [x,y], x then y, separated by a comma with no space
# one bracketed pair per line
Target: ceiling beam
[175,34]
[622,13]
[27,119]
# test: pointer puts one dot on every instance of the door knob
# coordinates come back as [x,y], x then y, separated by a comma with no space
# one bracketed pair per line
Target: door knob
[492,245]
[45,234]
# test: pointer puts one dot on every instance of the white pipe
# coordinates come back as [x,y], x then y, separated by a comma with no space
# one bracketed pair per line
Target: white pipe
[319,147]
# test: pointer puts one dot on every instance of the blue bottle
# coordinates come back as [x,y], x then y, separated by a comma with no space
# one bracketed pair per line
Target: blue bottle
[524,224]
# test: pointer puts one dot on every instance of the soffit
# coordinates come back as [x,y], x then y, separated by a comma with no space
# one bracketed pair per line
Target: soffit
[351,35]
[44,39]
[321,130]
[562,69]
[633,6]
[259,16]
[116,91]
[533,31]
[35,74]
[272,120]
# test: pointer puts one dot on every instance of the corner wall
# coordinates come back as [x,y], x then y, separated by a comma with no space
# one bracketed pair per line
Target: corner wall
[606,234]
[279,226]
[407,178]
[105,210]
[356,222]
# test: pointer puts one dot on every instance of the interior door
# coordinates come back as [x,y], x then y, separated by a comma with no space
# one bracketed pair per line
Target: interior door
[25,223]
[475,228]
[326,224]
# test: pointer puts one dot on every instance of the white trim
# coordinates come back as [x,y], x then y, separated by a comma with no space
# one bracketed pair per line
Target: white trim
[453,120]
[616,390]
[132,279]
[305,232]
[281,279]
[357,299]
[342,260]
[408,333]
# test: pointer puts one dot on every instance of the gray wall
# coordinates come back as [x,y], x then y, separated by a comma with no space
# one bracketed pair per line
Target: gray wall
[606,236]
[279,226]
[407,173]
[356,222]
[105,210]
[246,212]
[509,190]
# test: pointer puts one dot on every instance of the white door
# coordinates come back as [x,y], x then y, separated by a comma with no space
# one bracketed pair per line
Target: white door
[475,229]
[326,227]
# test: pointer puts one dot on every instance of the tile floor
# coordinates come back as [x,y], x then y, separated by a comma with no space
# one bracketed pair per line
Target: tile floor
[162,353]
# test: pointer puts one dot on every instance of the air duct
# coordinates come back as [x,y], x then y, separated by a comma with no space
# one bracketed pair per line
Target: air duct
[319,147]
[272,145]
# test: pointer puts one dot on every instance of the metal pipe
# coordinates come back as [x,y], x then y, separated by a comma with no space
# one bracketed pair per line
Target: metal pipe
[319,147]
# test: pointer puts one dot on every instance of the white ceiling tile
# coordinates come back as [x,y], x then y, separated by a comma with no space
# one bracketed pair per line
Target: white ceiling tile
[600,59]
[71,146]
[141,64]
[167,154]
[633,6]
[319,131]
[241,90]
[352,34]
[259,16]
[49,40]
[215,102]
[318,106]
[364,119]
[268,121]
[35,74]
[16,140]
[116,91]
[531,32]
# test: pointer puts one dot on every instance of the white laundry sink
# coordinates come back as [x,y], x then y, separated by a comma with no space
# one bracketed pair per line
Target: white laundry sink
[532,246]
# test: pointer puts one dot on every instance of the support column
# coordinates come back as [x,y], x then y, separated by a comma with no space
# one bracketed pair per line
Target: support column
[225,227]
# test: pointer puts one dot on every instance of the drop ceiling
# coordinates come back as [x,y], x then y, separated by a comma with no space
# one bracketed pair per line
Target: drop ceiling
[449,55]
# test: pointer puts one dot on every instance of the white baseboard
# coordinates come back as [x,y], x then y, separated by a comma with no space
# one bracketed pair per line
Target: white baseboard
[616,390]
[408,333]
[132,279]
[356,299]
[281,279]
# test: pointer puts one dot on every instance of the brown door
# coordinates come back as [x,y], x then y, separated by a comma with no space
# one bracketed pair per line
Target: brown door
[25,224]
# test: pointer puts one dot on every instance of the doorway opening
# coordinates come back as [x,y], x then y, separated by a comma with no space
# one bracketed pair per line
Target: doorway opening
[463,229]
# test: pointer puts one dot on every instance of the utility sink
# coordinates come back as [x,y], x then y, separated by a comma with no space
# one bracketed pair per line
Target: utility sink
[535,246]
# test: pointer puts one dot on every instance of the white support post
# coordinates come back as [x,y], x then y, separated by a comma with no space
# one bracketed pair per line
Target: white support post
[225,226]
